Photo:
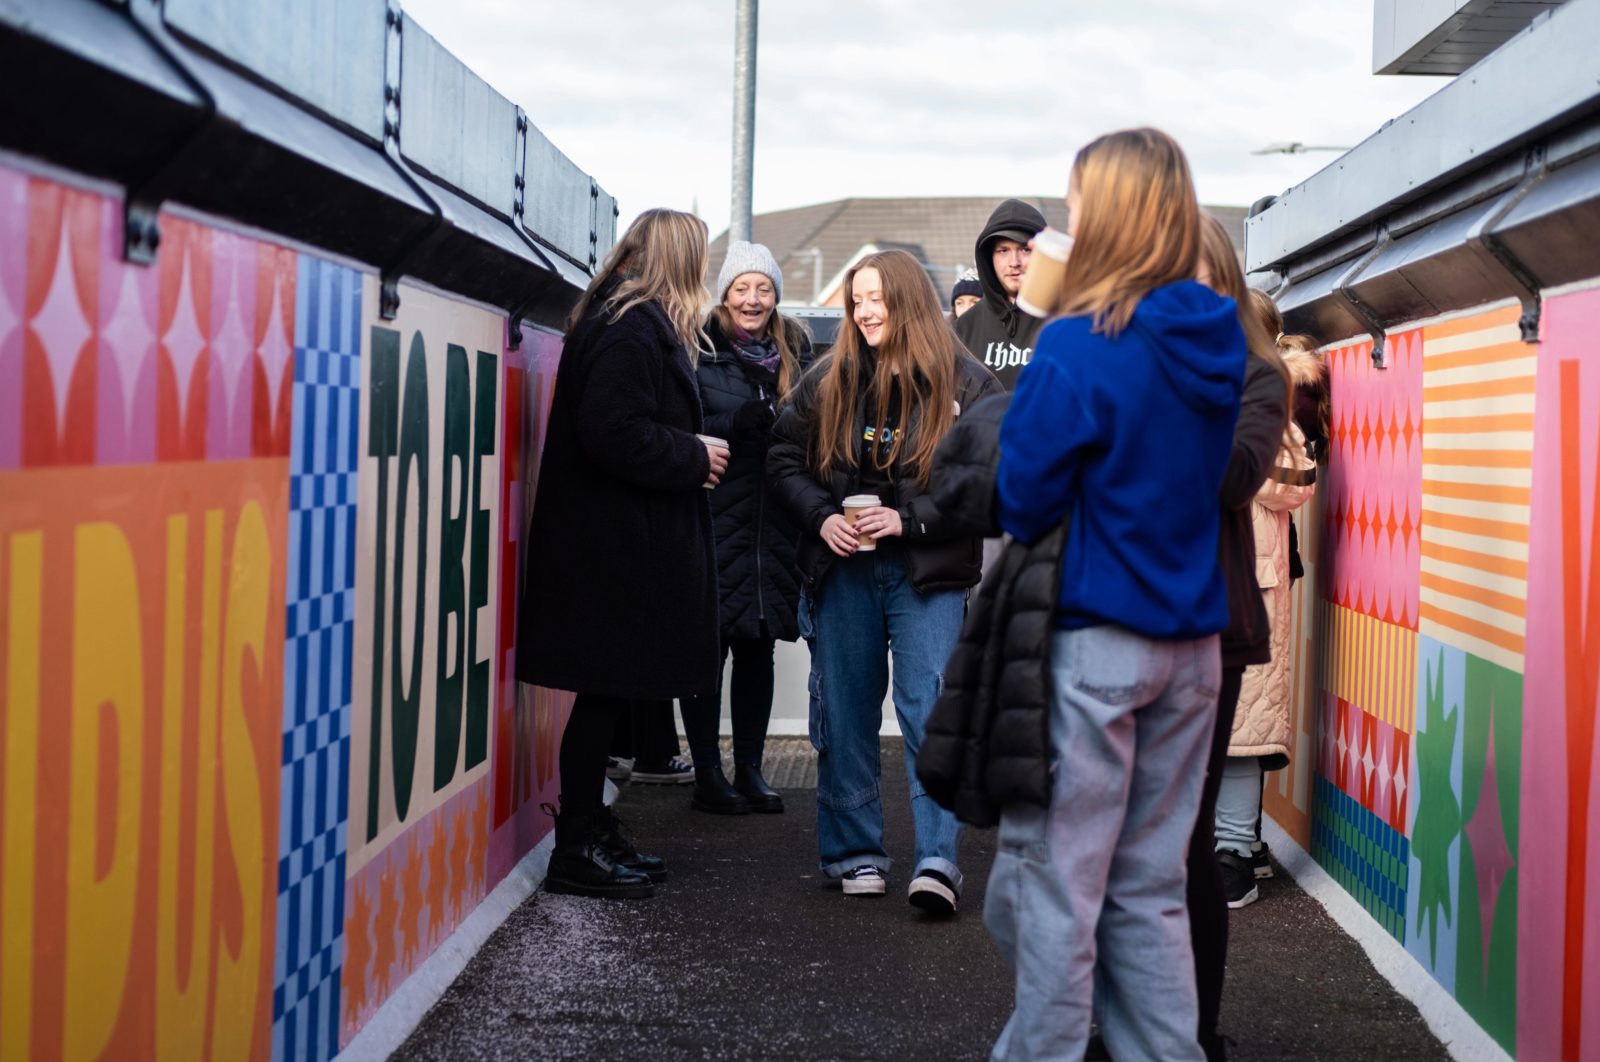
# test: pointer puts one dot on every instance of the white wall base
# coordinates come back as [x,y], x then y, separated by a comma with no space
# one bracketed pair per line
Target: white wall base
[1463,1037]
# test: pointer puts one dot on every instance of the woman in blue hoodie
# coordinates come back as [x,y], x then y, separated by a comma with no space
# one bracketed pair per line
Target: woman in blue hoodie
[1126,410]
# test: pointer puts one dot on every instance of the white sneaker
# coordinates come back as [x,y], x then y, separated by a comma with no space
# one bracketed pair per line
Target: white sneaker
[864,881]
[931,892]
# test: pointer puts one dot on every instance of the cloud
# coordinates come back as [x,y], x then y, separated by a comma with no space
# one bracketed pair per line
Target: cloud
[925,97]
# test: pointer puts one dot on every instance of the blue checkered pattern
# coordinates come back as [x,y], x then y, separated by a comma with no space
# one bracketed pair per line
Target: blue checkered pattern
[316,688]
[1363,853]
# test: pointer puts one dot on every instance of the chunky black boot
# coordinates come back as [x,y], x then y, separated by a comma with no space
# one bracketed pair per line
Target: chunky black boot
[580,865]
[754,788]
[617,840]
[713,794]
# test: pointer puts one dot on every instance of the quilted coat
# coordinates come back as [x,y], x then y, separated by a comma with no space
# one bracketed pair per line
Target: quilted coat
[1262,725]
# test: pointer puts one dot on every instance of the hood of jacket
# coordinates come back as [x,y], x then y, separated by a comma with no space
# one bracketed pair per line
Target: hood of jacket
[1197,340]
[1011,216]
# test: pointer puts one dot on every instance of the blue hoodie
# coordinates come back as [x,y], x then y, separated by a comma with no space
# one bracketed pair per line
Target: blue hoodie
[1131,436]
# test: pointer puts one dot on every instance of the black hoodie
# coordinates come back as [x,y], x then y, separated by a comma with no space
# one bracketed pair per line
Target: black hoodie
[998,334]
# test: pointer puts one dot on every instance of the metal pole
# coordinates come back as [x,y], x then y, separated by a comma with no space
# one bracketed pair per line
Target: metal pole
[744,117]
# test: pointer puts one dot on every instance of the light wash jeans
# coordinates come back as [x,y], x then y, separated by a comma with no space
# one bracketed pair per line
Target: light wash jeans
[1239,804]
[866,612]
[1086,899]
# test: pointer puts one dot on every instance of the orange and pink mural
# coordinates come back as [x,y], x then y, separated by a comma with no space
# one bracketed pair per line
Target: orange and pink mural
[256,765]
[1445,699]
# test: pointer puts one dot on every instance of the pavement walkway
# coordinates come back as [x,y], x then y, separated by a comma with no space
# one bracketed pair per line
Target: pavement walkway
[747,953]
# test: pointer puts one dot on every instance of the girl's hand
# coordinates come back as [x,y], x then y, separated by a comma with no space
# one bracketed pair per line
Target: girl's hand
[839,535]
[879,522]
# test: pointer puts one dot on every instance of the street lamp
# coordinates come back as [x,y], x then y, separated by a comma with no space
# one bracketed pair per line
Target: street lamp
[1295,148]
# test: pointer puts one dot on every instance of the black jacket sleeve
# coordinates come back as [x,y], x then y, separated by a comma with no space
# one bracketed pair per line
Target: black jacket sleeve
[788,460]
[1263,414]
[616,417]
[943,513]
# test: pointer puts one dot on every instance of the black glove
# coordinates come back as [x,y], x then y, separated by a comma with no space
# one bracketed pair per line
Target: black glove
[755,417]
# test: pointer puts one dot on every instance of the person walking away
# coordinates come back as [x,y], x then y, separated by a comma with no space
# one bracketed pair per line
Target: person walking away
[1262,725]
[757,354]
[996,331]
[865,420]
[1121,425]
[1263,414]
[620,599]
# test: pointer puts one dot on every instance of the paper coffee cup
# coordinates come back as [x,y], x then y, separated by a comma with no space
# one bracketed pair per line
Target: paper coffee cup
[1047,266]
[852,508]
[714,441]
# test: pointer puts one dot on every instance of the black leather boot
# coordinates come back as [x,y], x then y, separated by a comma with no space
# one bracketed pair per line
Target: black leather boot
[581,866]
[617,840]
[762,797]
[713,794]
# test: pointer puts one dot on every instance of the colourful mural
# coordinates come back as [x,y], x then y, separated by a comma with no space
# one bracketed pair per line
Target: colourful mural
[1445,683]
[250,761]
[1558,916]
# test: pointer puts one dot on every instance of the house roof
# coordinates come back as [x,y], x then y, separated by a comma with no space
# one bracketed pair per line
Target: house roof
[943,228]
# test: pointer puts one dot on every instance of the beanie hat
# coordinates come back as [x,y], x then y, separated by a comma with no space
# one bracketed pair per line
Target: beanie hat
[748,258]
[966,284]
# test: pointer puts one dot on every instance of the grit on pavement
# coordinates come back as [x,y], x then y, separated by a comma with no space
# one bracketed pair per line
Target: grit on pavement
[748,953]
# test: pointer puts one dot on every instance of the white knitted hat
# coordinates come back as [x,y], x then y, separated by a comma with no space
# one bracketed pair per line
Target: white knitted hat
[748,258]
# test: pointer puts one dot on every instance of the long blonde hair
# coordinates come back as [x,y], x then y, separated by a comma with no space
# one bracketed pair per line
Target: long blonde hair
[788,335]
[918,342]
[662,259]
[1138,225]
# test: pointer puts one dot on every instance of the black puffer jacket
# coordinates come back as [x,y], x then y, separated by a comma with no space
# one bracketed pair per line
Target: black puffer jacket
[941,553]
[756,535]
[987,742]
[1263,415]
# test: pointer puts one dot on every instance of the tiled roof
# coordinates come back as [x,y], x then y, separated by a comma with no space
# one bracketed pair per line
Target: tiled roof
[943,227]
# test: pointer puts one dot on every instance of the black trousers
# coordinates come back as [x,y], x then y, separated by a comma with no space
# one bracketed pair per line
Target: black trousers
[750,704]
[1208,902]
[648,734]
[585,747]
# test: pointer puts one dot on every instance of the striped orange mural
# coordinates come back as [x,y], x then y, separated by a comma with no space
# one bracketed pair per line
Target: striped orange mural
[1477,475]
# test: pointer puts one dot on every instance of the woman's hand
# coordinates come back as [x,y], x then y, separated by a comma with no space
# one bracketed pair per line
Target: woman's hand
[879,521]
[839,535]
[719,462]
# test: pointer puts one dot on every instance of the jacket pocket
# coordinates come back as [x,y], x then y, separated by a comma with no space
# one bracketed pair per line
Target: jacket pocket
[818,725]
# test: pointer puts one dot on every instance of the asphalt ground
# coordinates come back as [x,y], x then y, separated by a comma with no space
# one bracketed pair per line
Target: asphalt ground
[748,953]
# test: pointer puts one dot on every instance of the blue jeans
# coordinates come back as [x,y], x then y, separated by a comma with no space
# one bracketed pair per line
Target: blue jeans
[865,612]
[1239,805]
[1086,899]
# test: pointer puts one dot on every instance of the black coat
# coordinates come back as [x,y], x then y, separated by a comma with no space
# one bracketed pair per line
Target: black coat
[756,535]
[620,597]
[1263,415]
[987,741]
[942,553]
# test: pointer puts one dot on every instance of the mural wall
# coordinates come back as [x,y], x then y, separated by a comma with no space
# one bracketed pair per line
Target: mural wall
[255,766]
[1445,694]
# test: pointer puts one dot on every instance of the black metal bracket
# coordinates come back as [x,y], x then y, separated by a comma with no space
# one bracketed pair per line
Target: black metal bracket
[141,205]
[519,186]
[389,276]
[1491,249]
[1358,306]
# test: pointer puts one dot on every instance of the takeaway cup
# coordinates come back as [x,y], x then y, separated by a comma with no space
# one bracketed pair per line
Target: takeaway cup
[1041,284]
[714,441]
[853,506]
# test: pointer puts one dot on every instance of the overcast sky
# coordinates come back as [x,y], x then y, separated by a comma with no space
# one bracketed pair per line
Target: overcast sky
[925,97]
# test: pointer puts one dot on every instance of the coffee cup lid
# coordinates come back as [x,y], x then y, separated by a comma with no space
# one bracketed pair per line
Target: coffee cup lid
[714,440]
[1054,243]
[862,500]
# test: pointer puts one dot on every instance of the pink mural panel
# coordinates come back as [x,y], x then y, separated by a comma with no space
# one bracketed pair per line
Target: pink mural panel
[1558,1012]
[1374,491]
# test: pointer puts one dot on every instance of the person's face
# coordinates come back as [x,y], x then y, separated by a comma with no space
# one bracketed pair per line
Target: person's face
[867,308]
[750,299]
[1010,262]
[1203,274]
[964,303]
